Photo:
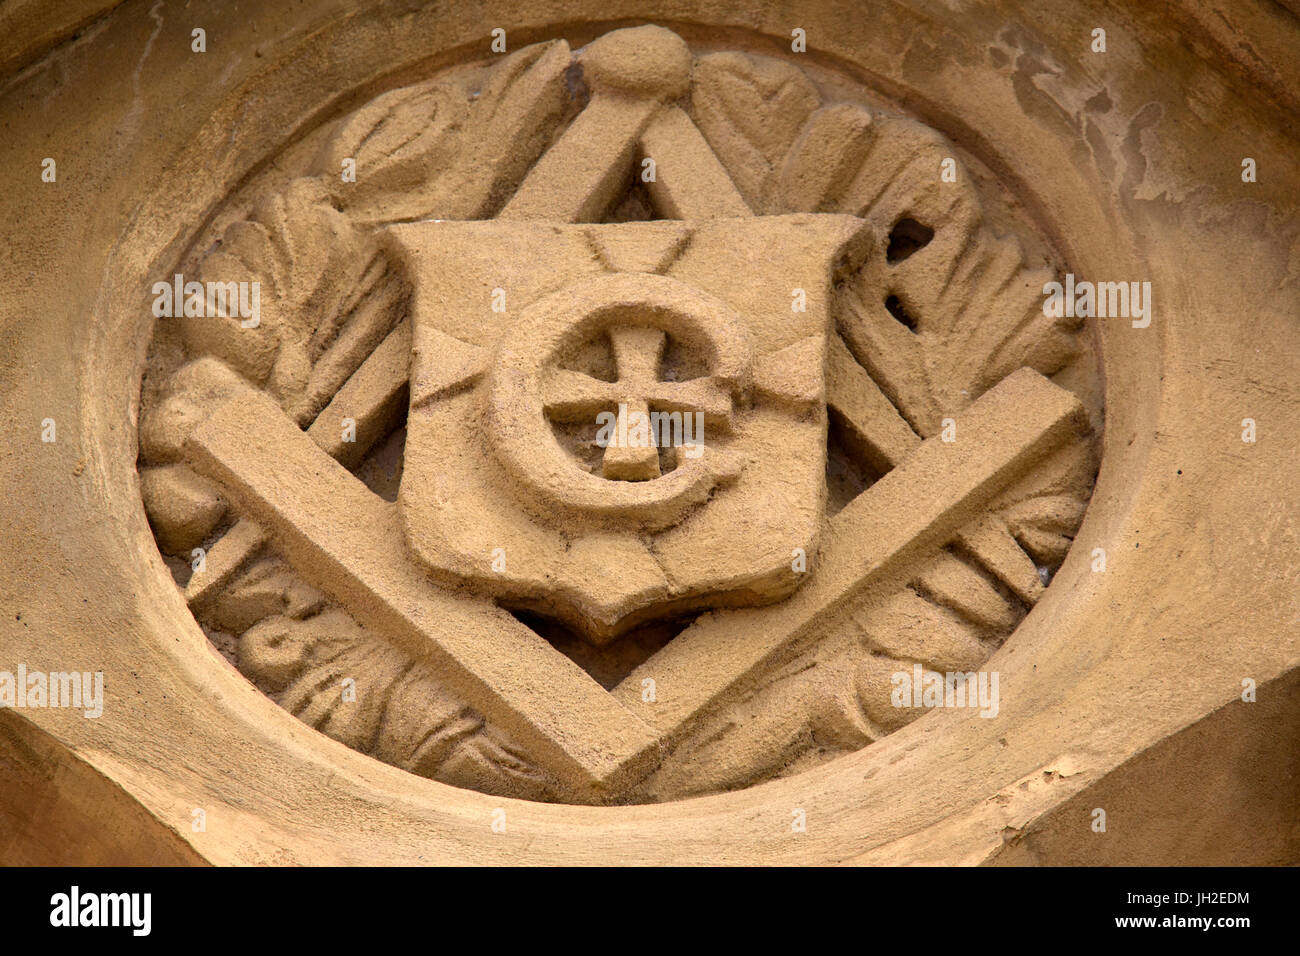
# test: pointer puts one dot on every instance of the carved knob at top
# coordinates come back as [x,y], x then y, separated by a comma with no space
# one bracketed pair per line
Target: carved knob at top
[641,61]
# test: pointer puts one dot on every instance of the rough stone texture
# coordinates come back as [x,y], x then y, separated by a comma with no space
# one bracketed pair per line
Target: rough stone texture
[928,551]
[603,546]
[757,331]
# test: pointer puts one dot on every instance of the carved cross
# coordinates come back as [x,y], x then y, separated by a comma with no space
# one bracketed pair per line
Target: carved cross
[570,396]
[600,742]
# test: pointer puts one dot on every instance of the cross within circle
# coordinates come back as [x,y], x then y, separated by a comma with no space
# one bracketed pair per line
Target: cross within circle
[637,392]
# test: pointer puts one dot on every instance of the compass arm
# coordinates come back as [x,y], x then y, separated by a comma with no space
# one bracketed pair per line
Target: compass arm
[630,116]
[854,396]
[577,179]
[374,398]
[690,182]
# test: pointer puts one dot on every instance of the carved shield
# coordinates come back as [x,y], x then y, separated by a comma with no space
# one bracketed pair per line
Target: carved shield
[620,439]
[699,350]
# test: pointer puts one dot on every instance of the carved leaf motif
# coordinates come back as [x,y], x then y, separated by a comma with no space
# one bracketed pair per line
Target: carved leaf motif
[936,318]
[965,312]
[940,325]
[326,298]
[396,142]
[936,342]
[750,110]
[1044,511]
[823,160]
[512,121]
[401,712]
[935,328]
[447,149]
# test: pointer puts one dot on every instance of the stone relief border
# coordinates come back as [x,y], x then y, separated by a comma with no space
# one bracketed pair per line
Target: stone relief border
[1127,173]
[961,312]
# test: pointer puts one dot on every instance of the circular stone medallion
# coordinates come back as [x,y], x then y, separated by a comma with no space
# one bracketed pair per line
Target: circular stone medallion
[734,412]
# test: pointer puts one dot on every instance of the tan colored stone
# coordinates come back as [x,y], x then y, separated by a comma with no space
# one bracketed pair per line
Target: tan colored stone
[183,508]
[945,489]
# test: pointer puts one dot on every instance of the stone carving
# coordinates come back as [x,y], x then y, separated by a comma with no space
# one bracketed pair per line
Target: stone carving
[619,539]
[508,605]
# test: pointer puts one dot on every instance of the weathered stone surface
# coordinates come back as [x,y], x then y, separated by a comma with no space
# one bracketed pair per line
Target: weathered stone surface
[417,545]
[183,508]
